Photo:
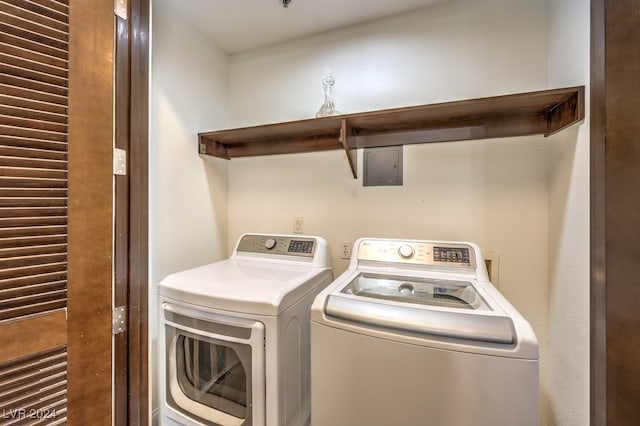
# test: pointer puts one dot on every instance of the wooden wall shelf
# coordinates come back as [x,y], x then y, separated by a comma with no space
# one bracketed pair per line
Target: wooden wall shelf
[544,112]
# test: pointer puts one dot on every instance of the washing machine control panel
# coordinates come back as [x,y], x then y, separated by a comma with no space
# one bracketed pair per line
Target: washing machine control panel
[418,252]
[277,244]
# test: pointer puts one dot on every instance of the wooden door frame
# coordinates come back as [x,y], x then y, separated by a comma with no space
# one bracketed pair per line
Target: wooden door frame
[615,201]
[93,236]
[121,218]
[131,348]
[597,342]
[600,269]
[139,25]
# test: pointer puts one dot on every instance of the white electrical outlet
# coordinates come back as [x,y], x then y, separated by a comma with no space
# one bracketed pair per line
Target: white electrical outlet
[298,223]
[345,251]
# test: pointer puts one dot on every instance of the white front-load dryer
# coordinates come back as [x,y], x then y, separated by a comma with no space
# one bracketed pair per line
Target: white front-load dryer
[234,334]
[413,333]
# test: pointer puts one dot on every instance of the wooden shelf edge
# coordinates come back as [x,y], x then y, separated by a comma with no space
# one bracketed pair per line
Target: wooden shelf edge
[543,112]
[211,147]
[567,113]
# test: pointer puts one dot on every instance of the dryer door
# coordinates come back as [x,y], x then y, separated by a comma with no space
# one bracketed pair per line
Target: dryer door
[215,368]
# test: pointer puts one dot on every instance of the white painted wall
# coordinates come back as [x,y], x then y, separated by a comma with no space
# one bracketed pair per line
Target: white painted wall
[524,198]
[456,50]
[188,193]
[495,193]
[569,224]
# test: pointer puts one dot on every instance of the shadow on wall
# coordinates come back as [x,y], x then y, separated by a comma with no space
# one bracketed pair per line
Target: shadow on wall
[216,170]
[569,277]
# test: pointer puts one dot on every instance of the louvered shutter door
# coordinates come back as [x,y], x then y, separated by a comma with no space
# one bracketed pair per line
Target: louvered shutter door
[34,389]
[33,208]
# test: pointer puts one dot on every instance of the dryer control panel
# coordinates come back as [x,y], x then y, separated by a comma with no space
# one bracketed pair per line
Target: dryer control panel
[277,244]
[428,253]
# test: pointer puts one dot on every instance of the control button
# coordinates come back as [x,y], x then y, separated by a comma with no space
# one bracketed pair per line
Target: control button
[270,243]
[406,289]
[406,251]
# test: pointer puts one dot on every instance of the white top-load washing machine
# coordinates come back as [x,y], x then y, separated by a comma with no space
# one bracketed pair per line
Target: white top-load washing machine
[413,333]
[234,334]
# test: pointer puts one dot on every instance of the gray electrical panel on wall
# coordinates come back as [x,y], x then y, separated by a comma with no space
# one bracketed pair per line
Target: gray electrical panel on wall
[382,166]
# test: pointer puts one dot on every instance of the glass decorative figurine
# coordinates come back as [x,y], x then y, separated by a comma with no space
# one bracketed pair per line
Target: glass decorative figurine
[328,107]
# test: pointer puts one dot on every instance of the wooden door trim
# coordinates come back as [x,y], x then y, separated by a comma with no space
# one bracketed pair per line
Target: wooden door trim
[24,336]
[615,201]
[131,215]
[90,209]
[598,314]
[121,225]
[138,250]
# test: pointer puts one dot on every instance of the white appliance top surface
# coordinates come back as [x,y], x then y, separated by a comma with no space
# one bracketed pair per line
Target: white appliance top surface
[262,287]
[454,309]
[435,292]
[416,290]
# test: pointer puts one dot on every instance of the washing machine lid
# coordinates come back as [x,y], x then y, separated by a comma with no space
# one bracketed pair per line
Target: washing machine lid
[244,286]
[448,308]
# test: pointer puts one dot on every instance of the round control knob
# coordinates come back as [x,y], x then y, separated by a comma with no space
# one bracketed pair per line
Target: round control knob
[406,289]
[270,243]
[405,251]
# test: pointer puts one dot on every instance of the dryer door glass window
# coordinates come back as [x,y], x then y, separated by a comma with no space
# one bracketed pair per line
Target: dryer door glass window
[209,368]
[212,374]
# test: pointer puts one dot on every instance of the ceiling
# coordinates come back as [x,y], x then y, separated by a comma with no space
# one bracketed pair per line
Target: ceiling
[239,25]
